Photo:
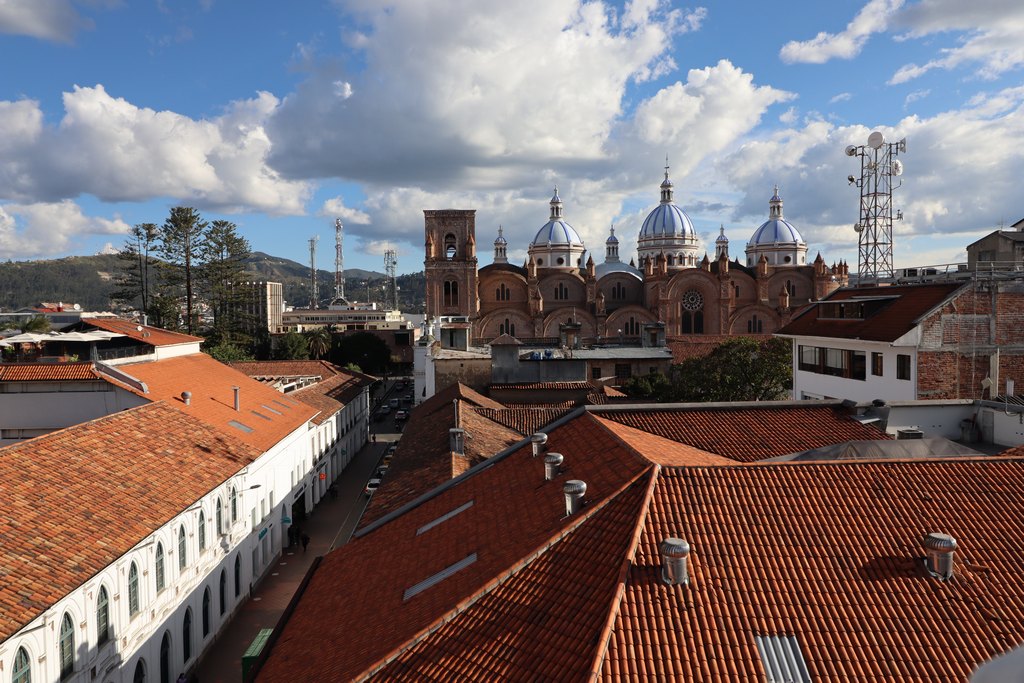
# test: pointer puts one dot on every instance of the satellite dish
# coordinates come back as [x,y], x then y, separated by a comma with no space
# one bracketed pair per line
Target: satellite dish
[897,167]
[850,150]
[875,140]
[858,228]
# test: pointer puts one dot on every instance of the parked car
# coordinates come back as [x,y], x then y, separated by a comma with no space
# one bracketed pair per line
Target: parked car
[393,403]
[372,486]
[401,415]
[381,471]
[392,448]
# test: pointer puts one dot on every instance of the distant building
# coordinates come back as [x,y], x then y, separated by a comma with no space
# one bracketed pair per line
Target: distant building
[999,250]
[263,304]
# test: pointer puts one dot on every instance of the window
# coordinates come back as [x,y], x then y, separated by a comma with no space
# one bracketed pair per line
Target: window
[595,372]
[182,550]
[140,672]
[618,291]
[790,288]
[206,612]
[202,531]
[165,658]
[223,591]
[159,567]
[238,576]
[561,292]
[451,293]
[623,371]
[449,246]
[632,327]
[902,366]
[234,505]
[21,672]
[503,293]
[754,325]
[67,646]
[102,617]
[507,327]
[844,363]
[876,364]
[133,590]
[220,516]
[186,636]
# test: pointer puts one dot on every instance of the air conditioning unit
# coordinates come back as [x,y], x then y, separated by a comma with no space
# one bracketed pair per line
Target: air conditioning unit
[909,434]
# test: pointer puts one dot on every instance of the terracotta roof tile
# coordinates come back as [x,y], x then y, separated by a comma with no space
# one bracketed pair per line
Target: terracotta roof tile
[132,471]
[889,324]
[286,368]
[332,394]
[47,372]
[663,451]
[526,419]
[154,336]
[212,401]
[746,433]
[568,386]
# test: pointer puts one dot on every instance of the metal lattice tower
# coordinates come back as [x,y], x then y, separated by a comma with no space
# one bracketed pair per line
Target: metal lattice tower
[391,286]
[339,262]
[878,168]
[314,291]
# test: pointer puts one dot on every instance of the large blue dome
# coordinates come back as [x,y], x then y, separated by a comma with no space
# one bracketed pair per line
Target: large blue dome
[557,232]
[776,230]
[667,220]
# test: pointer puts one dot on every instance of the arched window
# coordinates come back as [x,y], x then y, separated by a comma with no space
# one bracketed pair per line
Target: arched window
[206,612]
[754,325]
[160,576]
[182,548]
[133,590]
[449,246]
[503,293]
[561,292]
[238,575]
[165,658]
[202,531]
[692,312]
[21,672]
[220,516]
[451,293]
[102,617]
[618,291]
[507,327]
[234,505]
[67,646]
[223,591]
[186,636]
[791,288]
[140,672]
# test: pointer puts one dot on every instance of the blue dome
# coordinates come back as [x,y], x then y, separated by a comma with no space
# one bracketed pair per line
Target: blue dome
[557,232]
[609,267]
[776,230]
[667,220]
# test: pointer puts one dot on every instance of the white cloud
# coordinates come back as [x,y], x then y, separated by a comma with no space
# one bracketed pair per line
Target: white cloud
[789,116]
[873,18]
[55,20]
[915,96]
[44,229]
[335,208]
[112,149]
[992,50]
[841,97]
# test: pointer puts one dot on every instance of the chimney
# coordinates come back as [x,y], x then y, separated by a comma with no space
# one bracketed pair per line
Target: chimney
[186,396]
[574,490]
[940,549]
[237,401]
[537,441]
[552,463]
[675,554]
[456,439]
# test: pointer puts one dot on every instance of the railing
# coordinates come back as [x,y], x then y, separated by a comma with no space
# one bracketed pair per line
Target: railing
[983,270]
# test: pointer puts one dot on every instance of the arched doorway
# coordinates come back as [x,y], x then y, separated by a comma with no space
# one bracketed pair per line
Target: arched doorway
[165,658]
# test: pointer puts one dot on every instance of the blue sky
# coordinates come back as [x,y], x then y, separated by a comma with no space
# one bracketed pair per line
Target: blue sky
[282,116]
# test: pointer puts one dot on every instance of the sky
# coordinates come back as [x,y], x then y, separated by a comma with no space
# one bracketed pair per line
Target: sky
[282,117]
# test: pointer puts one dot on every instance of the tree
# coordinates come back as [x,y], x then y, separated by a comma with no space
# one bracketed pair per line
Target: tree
[222,268]
[365,349]
[181,239]
[227,353]
[291,346]
[134,282]
[739,369]
[319,341]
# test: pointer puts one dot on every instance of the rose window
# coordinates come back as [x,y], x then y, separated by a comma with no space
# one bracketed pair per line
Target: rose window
[692,300]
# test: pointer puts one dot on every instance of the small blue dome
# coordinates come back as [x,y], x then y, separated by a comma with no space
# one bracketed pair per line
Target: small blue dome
[667,220]
[557,232]
[776,230]
[501,237]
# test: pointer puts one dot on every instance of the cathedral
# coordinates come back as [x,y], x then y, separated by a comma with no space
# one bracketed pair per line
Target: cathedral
[669,288]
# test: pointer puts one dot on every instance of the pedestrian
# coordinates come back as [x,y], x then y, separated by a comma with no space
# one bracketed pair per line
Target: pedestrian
[305,541]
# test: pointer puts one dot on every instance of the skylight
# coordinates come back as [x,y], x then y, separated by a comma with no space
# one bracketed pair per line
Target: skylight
[260,415]
[268,408]
[238,425]
[783,661]
[439,577]
[444,518]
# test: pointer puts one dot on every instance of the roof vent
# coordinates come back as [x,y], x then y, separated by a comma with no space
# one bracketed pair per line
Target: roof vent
[456,440]
[237,399]
[909,434]
[186,396]
[574,490]
[552,463]
[940,549]
[537,441]
[675,555]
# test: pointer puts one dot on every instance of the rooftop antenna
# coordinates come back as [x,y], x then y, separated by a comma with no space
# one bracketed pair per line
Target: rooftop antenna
[314,293]
[339,262]
[878,168]
[391,285]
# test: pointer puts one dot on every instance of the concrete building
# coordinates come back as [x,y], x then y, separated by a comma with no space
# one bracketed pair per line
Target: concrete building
[999,250]
[262,304]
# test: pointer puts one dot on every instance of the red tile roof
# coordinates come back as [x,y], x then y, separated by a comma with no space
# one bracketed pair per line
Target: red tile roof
[332,394]
[88,494]
[270,414]
[746,432]
[700,345]
[524,419]
[286,368]
[47,372]
[154,336]
[568,386]
[889,324]
[661,450]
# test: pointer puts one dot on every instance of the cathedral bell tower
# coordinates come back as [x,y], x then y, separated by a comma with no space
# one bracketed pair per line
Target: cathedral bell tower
[450,265]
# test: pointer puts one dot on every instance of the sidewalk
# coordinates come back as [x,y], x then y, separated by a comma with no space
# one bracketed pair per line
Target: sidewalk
[330,525]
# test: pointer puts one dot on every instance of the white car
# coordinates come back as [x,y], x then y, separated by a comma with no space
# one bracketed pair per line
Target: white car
[372,486]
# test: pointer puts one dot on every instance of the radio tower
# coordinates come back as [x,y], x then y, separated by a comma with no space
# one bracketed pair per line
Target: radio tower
[391,286]
[878,167]
[314,291]
[339,263]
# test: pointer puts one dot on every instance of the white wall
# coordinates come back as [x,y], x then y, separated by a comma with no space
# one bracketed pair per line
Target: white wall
[934,418]
[42,407]
[886,387]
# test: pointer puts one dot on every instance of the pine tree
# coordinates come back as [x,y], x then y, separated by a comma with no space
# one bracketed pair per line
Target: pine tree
[181,239]
[134,279]
[223,255]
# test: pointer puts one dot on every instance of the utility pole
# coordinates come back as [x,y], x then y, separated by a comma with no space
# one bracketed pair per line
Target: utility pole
[339,262]
[391,285]
[314,291]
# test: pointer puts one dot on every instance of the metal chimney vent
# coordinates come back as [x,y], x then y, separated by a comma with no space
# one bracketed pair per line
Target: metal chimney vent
[940,549]
[537,441]
[574,490]
[238,405]
[675,554]
[552,463]
[186,396]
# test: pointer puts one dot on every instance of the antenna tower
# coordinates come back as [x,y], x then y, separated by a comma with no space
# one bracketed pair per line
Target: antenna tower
[339,262]
[314,291]
[391,286]
[878,169]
